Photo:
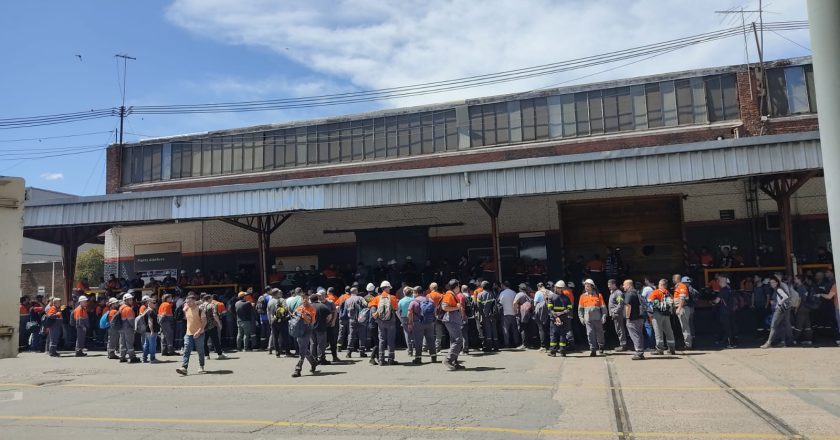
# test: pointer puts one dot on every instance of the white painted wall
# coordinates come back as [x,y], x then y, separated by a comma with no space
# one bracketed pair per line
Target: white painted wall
[11,242]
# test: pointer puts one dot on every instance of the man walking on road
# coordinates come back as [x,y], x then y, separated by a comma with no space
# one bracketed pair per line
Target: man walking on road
[194,337]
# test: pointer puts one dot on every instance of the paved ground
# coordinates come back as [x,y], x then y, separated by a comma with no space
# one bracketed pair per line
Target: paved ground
[737,394]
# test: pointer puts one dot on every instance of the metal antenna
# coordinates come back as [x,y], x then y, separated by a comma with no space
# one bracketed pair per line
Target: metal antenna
[125,59]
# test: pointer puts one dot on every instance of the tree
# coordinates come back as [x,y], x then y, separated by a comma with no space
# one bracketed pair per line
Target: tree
[90,264]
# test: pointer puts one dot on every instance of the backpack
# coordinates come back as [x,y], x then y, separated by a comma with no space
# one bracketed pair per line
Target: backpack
[281,315]
[353,312]
[795,299]
[363,315]
[666,306]
[140,322]
[103,321]
[297,326]
[427,311]
[261,306]
[116,321]
[384,310]
[541,313]
[469,306]
[526,312]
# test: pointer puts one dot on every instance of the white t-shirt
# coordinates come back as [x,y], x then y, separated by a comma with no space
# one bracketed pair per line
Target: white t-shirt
[506,298]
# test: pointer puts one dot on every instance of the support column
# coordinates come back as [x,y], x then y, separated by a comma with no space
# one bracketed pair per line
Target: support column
[263,226]
[780,188]
[824,20]
[69,238]
[492,206]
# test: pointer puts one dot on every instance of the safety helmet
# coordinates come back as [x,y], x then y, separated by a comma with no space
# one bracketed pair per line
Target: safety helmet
[83,298]
[561,284]
[385,284]
[128,296]
[370,287]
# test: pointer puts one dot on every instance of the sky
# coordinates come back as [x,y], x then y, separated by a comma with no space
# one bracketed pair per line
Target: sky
[58,57]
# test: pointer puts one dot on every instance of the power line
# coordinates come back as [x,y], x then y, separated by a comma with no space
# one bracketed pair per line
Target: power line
[402,91]
[455,84]
[54,137]
[794,42]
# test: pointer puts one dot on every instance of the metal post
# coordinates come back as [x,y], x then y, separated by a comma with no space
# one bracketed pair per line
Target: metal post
[824,19]
[52,280]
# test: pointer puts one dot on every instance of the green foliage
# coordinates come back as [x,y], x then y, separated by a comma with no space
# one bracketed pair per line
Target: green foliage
[90,264]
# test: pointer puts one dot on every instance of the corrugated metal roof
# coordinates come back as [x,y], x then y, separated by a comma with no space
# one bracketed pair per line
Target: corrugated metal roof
[660,165]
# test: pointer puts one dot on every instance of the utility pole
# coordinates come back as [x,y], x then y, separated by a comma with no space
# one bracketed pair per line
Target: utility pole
[125,59]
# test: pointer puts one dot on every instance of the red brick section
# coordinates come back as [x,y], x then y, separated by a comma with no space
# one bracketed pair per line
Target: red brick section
[750,116]
[113,174]
[750,108]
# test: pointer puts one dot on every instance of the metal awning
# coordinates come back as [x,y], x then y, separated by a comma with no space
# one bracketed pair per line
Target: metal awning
[636,167]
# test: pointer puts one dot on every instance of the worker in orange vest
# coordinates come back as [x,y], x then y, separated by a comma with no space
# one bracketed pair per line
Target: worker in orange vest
[113,330]
[54,325]
[592,312]
[80,321]
[126,312]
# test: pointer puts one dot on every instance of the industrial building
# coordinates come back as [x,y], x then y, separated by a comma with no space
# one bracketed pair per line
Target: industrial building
[661,167]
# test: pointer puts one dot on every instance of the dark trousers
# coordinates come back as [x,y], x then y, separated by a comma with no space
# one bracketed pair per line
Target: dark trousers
[332,339]
[525,331]
[558,337]
[213,334]
[489,329]
[542,328]
[277,337]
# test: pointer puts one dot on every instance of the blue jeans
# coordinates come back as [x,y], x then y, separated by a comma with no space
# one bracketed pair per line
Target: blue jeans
[193,343]
[149,346]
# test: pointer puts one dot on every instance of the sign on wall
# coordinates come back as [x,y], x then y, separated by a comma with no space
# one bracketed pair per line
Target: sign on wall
[288,264]
[157,256]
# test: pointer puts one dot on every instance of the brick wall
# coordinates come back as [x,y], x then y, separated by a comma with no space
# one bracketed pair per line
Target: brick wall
[113,170]
[750,107]
[33,275]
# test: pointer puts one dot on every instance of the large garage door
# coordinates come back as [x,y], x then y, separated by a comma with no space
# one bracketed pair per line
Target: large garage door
[648,231]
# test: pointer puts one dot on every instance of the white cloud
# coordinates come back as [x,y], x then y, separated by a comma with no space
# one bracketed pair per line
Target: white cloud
[52,176]
[378,44]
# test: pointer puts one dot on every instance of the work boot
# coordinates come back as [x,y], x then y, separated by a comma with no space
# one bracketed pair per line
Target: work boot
[81,354]
[324,362]
[619,349]
[296,373]
[349,354]
[55,355]
[113,356]
[123,360]
[373,361]
[601,350]
[417,361]
[335,359]
[182,371]
[434,359]
[312,369]
[638,357]
[562,353]
[449,365]
[134,360]
[393,362]
[363,354]
[672,350]
[223,357]
[552,353]
[659,352]
[593,353]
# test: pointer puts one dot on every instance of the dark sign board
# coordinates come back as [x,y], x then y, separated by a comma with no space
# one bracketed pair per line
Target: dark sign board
[169,260]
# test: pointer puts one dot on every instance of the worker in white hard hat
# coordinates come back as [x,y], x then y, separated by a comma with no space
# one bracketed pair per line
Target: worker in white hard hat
[592,312]
[79,320]
[559,319]
[126,312]
[384,310]
[113,330]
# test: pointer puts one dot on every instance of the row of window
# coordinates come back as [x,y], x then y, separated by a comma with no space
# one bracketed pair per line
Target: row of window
[668,103]
[791,91]
[689,101]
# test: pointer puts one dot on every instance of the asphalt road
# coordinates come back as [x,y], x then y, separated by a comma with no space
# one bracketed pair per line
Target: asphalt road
[732,394]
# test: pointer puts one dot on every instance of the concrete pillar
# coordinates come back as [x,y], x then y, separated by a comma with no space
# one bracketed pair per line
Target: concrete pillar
[11,242]
[824,19]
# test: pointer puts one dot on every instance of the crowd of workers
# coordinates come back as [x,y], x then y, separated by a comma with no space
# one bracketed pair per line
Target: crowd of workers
[371,320]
